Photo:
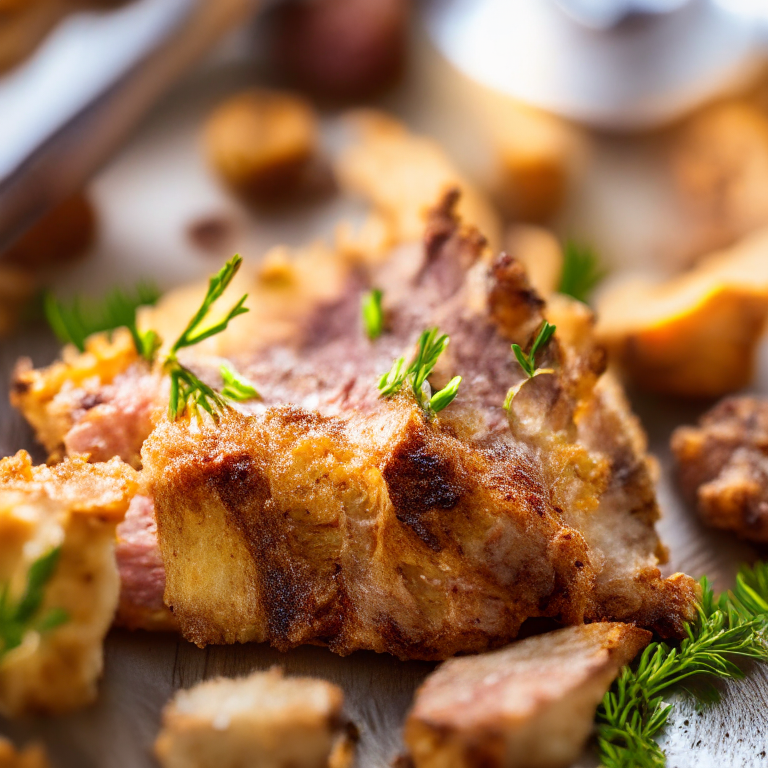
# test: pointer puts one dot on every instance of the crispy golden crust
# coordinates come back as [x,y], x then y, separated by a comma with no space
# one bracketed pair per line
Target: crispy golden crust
[529,705]
[357,523]
[723,466]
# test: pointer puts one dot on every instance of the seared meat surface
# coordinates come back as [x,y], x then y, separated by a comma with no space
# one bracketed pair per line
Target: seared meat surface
[723,466]
[324,514]
[528,705]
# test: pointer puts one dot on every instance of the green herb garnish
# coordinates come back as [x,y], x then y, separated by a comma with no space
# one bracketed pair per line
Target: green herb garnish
[373,314]
[236,387]
[729,628]
[528,362]
[187,390]
[430,347]
[17,618]
[74,322]
[581,271]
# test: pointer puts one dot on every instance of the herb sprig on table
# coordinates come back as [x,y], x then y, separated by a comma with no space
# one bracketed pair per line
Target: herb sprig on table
[431,345]
[729,628]
[73,322]
[18,617]
[581,271]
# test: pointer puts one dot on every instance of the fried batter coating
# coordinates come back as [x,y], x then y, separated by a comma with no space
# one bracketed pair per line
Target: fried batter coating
[323,514]
[264,719]
[723,466]
[75,505]
[529,705]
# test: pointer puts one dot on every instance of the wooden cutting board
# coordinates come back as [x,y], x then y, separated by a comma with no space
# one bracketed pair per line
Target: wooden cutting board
[147,198]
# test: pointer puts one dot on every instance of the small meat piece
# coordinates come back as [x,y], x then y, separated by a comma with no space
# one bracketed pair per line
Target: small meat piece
[33,756]
[265,720]
[260,143]
[341,49]
[723,466]
[696,334]
[529,705]
[59,237]
[75,505]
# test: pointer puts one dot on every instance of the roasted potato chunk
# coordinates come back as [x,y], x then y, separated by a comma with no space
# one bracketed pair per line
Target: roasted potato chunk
[76,506]
[719,162]
[696,334]
[265,719]
[529,705]
[723,466]
[260,143]
[539,251]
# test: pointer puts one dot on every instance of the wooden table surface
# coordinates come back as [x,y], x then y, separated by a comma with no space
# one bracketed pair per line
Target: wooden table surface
[146,198]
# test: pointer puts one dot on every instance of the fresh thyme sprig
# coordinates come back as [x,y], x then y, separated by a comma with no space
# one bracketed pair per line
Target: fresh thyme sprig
[74,322]
[729,628]
[430,347]
[189,391]
[17,618]
[373,314]
[581,271]
[528,362]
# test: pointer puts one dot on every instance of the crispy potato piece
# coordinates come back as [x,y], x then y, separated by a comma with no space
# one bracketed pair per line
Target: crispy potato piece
[33,756]
[530,704]
[76,505]
[264,719]
[341,49]
[719,161]
[723,466]
[696,334]
[402,175]
[260,143]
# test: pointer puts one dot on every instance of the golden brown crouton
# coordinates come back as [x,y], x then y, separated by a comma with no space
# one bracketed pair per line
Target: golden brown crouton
[696,334]
[75,506]
[723,466]
[529,705]
[260,143]
[264,719]
[30,757]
